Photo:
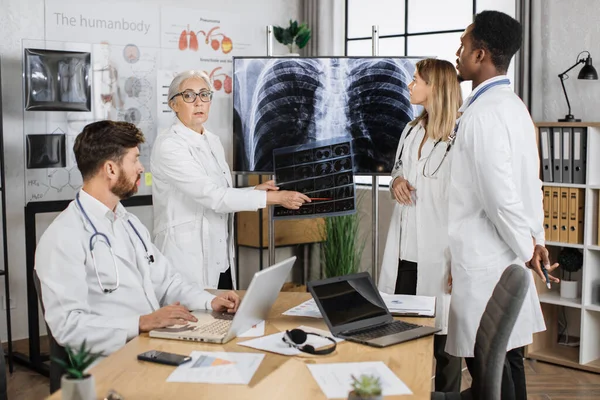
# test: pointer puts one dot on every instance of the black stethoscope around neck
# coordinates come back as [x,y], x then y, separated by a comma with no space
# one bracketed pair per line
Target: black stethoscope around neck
[102,238]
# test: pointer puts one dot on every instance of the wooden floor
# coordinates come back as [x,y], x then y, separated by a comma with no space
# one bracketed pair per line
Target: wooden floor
[544,382]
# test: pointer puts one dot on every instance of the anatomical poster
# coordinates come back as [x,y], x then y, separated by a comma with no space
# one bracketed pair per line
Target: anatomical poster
[283,101]
[207,41]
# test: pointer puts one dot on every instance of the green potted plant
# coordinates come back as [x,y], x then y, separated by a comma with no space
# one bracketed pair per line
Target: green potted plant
[570,260]
[295,35]
[342,250]
[366,387]
[76,384]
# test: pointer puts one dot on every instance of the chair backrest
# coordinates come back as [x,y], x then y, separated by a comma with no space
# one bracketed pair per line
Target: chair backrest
[56,350]
[495,328]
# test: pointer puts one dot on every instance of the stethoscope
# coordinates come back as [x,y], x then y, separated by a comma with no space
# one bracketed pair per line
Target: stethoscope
[94,238]
[452,136]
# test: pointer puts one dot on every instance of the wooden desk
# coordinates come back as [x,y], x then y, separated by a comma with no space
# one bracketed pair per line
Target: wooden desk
[278,377]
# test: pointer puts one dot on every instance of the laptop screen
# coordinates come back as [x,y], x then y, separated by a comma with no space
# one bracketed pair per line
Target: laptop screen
[350,300]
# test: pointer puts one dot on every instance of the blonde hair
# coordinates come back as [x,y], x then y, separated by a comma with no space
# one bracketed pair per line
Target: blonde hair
[445,99]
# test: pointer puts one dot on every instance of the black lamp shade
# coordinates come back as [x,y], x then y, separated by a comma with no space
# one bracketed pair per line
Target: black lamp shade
[588,71]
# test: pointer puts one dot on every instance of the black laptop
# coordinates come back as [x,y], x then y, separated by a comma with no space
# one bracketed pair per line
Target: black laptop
[354,310]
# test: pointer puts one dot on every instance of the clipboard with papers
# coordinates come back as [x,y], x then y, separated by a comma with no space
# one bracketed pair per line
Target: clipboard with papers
[402,305]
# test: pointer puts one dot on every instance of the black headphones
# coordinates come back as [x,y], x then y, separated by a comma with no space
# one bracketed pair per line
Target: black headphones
[296,338]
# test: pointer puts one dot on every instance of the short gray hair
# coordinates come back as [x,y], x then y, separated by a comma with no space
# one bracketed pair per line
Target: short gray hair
[175,86]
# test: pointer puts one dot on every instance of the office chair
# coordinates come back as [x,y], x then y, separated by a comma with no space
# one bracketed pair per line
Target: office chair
[56,350]
[495,328]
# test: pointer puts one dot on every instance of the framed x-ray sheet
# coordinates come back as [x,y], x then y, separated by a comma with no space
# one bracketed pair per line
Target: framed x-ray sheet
[57,80]
[322,170]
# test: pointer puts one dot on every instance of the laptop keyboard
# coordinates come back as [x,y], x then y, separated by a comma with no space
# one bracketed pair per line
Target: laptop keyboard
[217,327]
[384,330]
[223,316]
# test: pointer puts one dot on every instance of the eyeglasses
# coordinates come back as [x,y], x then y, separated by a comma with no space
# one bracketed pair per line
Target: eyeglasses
[189,96]
[436,157]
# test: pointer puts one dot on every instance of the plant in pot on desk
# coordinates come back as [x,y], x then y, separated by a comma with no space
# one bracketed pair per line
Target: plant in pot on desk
[570,260]
[295,35]
[76,384]
[366,387]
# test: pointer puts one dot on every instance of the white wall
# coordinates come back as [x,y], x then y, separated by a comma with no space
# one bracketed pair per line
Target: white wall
[569,27]
[24,19]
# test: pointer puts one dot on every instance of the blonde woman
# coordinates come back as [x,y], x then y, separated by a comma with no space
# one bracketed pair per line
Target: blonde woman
[413,261]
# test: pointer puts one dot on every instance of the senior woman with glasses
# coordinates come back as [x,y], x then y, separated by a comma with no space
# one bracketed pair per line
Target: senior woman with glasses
[193,197]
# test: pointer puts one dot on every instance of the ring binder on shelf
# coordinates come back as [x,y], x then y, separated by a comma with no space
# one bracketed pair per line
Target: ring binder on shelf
[567,171]
[557,149]
[546,151]
[579,155]
[563,235]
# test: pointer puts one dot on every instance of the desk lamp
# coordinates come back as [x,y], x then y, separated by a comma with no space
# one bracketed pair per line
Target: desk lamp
[587,72]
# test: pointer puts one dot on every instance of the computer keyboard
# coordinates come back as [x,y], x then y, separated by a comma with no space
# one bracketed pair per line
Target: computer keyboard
[217,327]
[383,330]
[222,315]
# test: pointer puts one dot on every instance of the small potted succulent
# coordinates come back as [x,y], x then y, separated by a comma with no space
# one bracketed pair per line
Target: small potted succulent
[296,35]
[570,260]
[366,387]
[76,384]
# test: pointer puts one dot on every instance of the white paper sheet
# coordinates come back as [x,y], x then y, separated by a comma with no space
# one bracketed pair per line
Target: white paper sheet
[275,344]
[307,309]
[396,304]
[256,330]
[218,367]
[335,380]
[406,304]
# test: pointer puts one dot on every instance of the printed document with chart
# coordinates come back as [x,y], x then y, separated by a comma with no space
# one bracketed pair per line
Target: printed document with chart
[218,367]
[335,380]
[409,305]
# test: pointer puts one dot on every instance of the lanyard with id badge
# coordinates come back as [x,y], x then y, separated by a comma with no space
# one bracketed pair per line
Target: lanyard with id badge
[441,148]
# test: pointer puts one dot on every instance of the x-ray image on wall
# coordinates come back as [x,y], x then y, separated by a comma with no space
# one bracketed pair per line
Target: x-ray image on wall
[46,151]
[287,101]
[57,80]
[322,170]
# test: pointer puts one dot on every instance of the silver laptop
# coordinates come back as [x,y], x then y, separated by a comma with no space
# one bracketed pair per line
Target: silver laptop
[354,310]
[214,327]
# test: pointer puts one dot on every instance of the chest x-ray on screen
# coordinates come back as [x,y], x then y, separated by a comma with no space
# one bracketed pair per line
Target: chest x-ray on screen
[285,101]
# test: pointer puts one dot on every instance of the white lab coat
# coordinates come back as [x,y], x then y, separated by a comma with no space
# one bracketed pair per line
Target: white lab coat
[194,202]
[495,209]
[431,208]
[76,308]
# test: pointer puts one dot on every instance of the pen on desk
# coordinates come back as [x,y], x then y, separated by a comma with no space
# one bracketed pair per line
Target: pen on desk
[545,271]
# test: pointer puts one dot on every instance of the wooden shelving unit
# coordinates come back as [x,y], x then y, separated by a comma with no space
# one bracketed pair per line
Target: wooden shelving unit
[545,345]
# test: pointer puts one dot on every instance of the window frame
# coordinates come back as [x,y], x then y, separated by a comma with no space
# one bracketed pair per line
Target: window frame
[362,179]
[404,35]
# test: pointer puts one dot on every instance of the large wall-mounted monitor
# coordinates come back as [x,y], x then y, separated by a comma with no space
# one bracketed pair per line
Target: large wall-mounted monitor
[284,101]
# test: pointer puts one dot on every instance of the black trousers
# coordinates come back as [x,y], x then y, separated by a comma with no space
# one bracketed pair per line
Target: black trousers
[447,368]
[225,280]
[514,385]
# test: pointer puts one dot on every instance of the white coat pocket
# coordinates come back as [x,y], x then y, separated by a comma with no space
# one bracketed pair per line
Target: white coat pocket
[184,249]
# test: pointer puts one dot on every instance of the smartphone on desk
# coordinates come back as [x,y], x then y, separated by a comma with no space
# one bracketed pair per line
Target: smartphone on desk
[163,357]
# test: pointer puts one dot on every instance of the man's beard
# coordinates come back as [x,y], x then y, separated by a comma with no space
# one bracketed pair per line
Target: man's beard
[124,189]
